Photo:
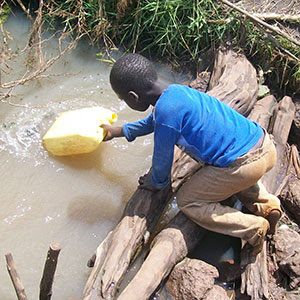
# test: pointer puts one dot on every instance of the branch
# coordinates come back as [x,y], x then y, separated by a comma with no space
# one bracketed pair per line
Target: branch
[12,270]
[278,17]
[259,21]
[49,271]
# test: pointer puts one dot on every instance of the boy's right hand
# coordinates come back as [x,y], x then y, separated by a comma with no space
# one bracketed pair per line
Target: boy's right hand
[111,132]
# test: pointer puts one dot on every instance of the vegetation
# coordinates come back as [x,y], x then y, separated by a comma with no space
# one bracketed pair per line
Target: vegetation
[177,30]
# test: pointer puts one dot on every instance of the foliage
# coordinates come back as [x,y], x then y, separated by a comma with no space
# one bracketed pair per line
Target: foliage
[179,30]
[4,12]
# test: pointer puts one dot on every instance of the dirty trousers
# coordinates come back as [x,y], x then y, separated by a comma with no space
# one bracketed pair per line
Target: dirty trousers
[199,198]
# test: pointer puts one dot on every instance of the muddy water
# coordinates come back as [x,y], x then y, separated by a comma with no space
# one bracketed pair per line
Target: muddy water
[74,200]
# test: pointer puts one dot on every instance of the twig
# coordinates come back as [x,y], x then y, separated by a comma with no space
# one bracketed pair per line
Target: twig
[11,268]
[278,17]
[42,69]
[278,45]
[259,21]
[25,10]
[49,271]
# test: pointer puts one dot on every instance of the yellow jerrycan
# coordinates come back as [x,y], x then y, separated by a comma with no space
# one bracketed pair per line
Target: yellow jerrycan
[78,131]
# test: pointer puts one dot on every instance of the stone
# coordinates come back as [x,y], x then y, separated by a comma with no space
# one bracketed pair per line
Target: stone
[194,279]
[290,198]
[287,249]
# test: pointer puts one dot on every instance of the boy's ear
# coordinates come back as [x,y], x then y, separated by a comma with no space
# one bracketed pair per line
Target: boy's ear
[133,96]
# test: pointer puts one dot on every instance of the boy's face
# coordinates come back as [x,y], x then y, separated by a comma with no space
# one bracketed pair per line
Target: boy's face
[135,101]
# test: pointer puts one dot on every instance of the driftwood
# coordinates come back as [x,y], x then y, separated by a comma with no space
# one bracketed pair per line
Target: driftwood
[121,245]
[234,81]
[15,278]
[49,271]
[170,246]
[280,127]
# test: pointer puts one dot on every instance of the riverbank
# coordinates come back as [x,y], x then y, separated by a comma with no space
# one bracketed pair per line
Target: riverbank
[181,32]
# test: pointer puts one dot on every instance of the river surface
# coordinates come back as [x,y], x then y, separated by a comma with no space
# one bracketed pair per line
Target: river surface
[74,200]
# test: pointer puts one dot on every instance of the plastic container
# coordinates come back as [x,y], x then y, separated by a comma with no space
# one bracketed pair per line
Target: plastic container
[78,131]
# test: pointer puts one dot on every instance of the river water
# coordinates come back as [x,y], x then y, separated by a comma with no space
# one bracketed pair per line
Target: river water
[75,200]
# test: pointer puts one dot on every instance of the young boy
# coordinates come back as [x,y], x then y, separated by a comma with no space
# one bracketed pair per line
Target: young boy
[236,152]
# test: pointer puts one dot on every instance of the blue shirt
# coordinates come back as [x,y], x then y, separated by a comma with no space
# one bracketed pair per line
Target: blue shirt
[201,125]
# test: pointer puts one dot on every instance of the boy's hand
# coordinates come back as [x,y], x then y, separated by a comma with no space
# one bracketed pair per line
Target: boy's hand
[146,183]
[111,132]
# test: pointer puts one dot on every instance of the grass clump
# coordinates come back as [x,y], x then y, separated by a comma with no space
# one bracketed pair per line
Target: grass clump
[179,30]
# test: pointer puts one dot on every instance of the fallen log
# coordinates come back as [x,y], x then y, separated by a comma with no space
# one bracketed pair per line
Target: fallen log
[170,246]
[129,234]
[49,271]
[15,278]
[122,244]
[280,126]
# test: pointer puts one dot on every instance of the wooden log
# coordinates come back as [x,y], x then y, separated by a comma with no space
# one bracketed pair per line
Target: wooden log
[263,110]
[280,127]
[15,278]
[115,253]
[49,271]
[170,246]
[234,81]
[142,209]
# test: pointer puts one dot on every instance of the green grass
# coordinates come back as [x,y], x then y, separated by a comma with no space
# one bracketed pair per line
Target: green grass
[177,30]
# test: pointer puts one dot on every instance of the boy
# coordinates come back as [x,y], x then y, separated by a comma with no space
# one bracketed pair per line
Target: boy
[236,152]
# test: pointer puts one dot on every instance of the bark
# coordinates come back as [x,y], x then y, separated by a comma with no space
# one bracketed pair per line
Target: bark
[234,81]
[49,271]
[122,244]
[280,127]
[15,278]
[170,246]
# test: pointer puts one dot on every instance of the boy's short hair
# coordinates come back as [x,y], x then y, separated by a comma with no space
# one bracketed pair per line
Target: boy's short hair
[132,72]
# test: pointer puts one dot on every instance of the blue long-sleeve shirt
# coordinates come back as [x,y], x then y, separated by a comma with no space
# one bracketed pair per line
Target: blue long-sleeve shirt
[202,126]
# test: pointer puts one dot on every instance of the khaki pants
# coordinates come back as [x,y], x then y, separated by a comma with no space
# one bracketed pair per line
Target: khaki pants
[199,198]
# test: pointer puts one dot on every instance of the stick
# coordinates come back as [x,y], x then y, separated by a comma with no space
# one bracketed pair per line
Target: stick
[257,20]
[280,17]
[14,276]
[49,270]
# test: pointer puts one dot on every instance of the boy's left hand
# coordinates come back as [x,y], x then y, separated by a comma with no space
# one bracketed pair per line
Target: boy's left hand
[146,183]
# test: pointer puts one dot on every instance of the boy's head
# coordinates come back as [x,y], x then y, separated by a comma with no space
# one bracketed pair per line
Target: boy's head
[132,78]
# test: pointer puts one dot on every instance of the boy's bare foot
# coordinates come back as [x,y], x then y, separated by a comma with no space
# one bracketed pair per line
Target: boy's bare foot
[273,217]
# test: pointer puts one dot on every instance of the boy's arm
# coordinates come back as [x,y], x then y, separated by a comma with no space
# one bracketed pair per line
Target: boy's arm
[129,130]
[139,128]
[165,139]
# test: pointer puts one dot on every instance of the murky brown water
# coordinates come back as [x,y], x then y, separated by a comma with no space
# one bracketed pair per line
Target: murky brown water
[75,200]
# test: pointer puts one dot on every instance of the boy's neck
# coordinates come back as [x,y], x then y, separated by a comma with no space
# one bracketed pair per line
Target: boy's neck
[156,91]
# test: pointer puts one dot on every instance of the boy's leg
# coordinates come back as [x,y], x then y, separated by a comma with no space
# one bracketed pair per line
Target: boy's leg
[260,202]
[198,198]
